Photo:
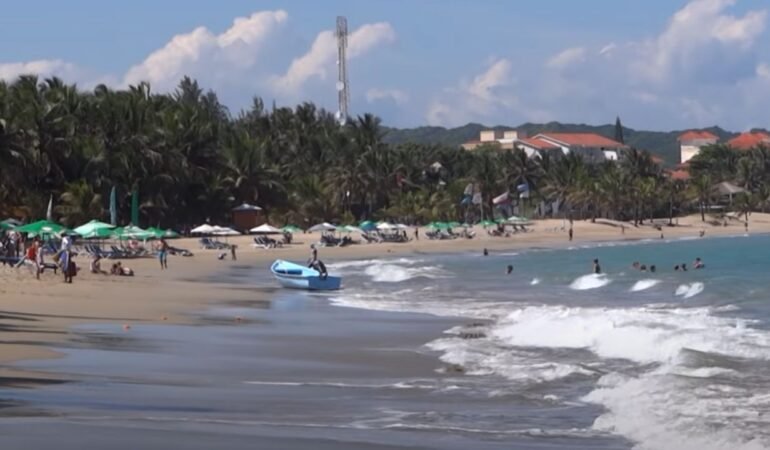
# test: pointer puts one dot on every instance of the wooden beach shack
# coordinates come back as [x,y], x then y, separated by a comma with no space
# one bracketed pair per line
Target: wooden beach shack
[246,217]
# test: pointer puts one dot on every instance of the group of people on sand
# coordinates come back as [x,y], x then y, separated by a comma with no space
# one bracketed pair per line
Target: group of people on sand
[34,257]
[117,268]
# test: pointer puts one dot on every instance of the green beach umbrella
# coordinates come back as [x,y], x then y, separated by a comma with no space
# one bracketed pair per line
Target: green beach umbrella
[6,226]
[41,227]
[131,232]
[97,233]
[91,228]
[453,224]
[161,233]
[367,225]
[438,225]
[487,223]
[291,229]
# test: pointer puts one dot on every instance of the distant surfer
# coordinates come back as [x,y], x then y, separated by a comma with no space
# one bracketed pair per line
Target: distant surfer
[597,267]
[509,269]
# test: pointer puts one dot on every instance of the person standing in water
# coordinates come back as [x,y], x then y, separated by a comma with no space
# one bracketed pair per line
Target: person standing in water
[597,267]
[486,252]
[509,269]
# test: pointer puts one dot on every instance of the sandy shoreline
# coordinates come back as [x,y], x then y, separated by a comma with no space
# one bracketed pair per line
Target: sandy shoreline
[37,315]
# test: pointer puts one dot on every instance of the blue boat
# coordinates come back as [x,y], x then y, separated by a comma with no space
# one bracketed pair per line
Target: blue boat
[296,276]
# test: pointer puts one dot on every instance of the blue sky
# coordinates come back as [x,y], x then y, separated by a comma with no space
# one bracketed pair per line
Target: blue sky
[659,64]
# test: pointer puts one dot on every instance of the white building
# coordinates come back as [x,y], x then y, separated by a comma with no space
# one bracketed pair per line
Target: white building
[691,142]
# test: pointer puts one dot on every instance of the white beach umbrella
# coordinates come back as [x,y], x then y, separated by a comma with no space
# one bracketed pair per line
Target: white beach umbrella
[401,226]
[265,229]
[326,226]
[384,226]
[224,231]
[203,229]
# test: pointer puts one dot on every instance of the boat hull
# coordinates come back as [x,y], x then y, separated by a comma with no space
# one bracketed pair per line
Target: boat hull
[294,276]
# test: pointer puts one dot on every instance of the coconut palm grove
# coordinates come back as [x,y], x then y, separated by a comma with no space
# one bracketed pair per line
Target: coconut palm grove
[191,160]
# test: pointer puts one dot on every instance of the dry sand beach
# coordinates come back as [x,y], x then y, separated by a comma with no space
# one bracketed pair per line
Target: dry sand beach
[36,314]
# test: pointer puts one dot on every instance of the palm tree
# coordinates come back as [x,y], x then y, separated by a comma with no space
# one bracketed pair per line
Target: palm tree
[701,189]
[79,204]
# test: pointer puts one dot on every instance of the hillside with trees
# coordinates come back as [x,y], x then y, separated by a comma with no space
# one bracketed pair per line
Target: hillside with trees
[661,143]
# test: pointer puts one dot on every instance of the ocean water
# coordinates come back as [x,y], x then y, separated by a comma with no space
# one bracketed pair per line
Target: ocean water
[667,360]
[440,352]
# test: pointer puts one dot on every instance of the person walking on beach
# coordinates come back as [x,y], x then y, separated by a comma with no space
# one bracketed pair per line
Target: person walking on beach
[570,233]
[163,254]
[597,267]
[232,251]
[416,233]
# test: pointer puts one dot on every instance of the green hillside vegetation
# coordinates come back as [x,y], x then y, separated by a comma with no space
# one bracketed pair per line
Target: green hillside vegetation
[660,143]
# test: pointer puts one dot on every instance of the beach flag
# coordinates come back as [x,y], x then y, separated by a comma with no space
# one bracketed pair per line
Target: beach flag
[49,212]
[135,208]
[113,208]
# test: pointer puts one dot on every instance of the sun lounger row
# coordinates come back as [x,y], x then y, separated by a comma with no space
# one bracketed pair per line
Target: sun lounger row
[115,252]
[266,242]
[209,244]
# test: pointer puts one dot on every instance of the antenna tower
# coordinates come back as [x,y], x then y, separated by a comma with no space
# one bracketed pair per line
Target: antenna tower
[343,94]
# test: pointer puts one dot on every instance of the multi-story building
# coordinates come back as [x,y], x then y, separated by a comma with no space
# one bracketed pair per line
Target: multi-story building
[692,141]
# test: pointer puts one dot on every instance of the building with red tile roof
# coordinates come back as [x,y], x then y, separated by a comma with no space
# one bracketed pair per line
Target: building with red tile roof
[573,140]
[690,143]
[747,141]
[593,147]
[679,175]
[695,135]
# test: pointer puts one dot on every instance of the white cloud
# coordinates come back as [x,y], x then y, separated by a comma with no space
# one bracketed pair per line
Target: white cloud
[699,34]
[321,57]
[376,94]
[487,95]
[763,70]
[251,57]
[569,57]
[201,51]
[42,67]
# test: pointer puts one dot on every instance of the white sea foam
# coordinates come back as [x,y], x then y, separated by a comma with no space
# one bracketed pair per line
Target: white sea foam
[392,273]
[414,384]
[689,290]
[535,281]
[591,281]
[639,334]
[663,412]
[371,262]
[642,285]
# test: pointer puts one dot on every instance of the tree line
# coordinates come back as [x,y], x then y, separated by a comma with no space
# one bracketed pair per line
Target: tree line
[191,161]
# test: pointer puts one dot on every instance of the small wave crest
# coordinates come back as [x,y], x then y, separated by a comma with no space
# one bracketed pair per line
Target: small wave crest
[591,281]
[392,273]
[642,285]
[535,281]
[689,290]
